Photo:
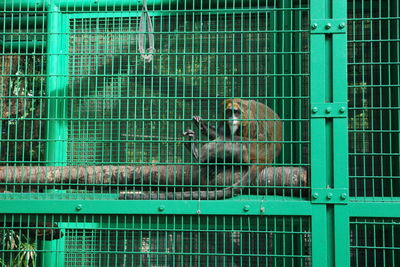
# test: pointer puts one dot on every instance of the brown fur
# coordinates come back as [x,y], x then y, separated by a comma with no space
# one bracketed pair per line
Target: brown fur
[258,123]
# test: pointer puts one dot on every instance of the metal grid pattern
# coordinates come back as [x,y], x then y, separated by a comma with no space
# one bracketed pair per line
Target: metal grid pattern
[92,123]
[23,88]
[158,240]
[86,118]
[374,68]
[99,103]
[375,241]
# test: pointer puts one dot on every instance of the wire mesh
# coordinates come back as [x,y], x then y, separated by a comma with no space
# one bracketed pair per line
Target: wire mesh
[22,83]
[77,92]
[87,116]
[156,240]
[374,241]
[373,56]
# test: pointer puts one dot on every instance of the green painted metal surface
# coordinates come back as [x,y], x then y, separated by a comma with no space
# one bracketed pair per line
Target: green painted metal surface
[78,91]
[57,65]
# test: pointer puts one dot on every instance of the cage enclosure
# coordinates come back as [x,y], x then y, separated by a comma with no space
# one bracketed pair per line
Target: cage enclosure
[119,86]
[180,133]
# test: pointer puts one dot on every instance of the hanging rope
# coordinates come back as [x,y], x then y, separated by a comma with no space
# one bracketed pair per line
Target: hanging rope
[146,30]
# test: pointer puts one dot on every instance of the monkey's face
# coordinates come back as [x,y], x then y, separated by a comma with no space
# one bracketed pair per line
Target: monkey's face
[233,115]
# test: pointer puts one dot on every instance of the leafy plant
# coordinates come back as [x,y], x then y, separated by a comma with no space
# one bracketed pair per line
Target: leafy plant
[26,255]
[25,252]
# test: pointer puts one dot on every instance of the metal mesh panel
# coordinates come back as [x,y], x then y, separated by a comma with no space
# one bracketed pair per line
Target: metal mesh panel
[22,88]
[157,241]
[373,50]
[375,241]
[99,102]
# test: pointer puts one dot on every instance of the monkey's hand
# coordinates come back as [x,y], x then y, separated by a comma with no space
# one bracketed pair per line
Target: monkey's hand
[198,121]
[205,129]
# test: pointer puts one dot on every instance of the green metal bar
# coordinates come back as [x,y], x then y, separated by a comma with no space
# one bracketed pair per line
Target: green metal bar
[97,4]
[117,14]
[340,138]
[329,133]
[317,95]
[374,209]
[62,4]
[342,235]
[22,19]
[57,67]
[19,46]
[53,251]
[317,138]
[319,233]
[161,207]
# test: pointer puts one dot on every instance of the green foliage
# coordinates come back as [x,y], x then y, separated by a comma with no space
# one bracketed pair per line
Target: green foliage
[19,251]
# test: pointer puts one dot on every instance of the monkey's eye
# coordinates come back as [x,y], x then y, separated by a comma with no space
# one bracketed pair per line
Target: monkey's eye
[228,113]
[232,112]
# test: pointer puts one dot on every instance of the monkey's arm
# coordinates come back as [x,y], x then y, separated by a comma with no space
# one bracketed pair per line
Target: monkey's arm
[207,130]
[190,145]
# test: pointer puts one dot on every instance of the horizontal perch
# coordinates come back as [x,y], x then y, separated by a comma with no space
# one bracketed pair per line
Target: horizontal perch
[270,180]
[165,176]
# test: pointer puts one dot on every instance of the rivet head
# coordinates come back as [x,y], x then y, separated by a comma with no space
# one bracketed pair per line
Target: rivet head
[246,207]
[314,110]
[328,110]
[161,208]
[315,195]
[343,196]
[329,196]
[78,207]
[314,26]
[342,109]
[328,26]
[342,25]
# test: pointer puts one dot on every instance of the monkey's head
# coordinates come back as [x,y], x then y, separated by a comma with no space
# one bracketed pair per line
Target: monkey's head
[234,114]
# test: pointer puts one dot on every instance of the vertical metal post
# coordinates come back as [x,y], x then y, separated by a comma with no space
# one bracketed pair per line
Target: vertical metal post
[57,128]
[317,139]
[53,252]
[329,148]
[56,87]
[340,137]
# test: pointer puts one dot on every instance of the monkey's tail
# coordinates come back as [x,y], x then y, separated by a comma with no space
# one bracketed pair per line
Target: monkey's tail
[224,193]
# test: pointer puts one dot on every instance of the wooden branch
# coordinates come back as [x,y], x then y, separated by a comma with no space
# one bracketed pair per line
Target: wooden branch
[99,175]
[271,180]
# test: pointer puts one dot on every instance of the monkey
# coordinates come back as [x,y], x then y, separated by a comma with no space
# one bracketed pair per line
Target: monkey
[249,132]
[246,121]
[245,140]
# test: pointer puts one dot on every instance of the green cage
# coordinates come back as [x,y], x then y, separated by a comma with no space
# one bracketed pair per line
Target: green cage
[99,104]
